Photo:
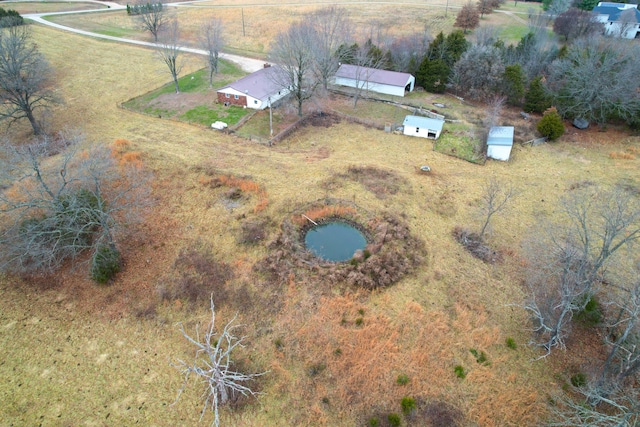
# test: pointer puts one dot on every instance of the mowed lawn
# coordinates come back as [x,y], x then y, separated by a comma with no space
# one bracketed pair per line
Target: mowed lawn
[75,353]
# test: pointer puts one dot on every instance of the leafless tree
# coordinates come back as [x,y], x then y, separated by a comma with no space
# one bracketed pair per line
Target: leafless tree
[478,73]
[212,41]
[496,196]
[364,66]
[152,17]
[486,35]
[468,17]
[213,365]
[293,51]
[485,7]
[596,80]
[567,264]
[331,29]
[558,6]
[575,23]
[25,78]
[169,50]
[408,52]
[622,410]
[57,206]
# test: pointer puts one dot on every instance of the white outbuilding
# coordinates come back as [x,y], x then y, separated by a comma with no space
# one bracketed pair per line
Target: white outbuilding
[423,127]
[499,142]
[374,80]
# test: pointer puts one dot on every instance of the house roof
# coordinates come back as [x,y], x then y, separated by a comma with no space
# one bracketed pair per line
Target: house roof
[259,85]
[373,75]
[613,13]
[500,135]
[423,122]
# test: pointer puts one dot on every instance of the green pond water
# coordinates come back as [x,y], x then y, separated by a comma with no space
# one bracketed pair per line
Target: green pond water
[334,241]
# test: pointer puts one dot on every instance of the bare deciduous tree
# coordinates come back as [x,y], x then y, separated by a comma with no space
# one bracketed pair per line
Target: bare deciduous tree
[331,29]
[293,51]
[25,78]
[596,80]
[468,17]
[567,264]
[169,50]
[213,365]
[575,23]
[152,17]
[478,73]
[59,207]
[496,196]
[622,410]
[364,65]
[212,41]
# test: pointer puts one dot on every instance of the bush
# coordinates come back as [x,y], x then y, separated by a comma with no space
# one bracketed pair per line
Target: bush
[481,356]
[408,405]
[551,125]
[105,264]
[579,380]
[10,18]
[394,420]
[591,315]
[511,343]
[459,370]
[403,379]
[373,422]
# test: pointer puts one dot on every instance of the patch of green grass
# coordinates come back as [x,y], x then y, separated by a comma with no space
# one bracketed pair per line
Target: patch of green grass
[459,371]
[117,32]
[513,33]
[403,379]
[206,115]
[160,112]
[455,143]
[258,126]
[511,343]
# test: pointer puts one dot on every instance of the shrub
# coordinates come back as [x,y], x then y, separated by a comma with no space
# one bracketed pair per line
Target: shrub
[511,343]
[591,315]
[536,99]
[481,356]
[408,405]
[459,370]
[551,125]
[359,321]
[579,379]
[373,422]
[403,379]
[394,420]
[105,264]
[316,369]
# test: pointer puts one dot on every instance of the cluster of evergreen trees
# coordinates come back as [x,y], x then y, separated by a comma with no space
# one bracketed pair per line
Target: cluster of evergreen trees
[10,18]
[139,9]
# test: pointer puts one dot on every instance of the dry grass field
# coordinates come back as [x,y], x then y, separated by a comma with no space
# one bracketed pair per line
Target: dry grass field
[75,353]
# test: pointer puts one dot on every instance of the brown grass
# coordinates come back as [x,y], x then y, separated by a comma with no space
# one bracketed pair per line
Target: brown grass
[628,155]
[319,213]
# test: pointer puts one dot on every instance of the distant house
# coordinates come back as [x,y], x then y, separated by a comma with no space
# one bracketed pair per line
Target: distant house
[423,127]
[374,80]
[499,142]
[257,90]
[619,19]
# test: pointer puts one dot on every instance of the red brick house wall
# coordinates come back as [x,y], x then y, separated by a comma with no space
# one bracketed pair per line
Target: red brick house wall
[241,101]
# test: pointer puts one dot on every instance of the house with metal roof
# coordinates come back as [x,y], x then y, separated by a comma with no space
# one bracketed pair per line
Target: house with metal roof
[257,90]
[619,19]
[423,127]
[499,142]
[374,80]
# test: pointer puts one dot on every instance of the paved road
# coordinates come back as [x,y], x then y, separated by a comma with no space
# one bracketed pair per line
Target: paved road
[247,64]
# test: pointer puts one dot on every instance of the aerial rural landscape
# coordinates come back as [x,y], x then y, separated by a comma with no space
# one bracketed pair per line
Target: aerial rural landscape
[354,213]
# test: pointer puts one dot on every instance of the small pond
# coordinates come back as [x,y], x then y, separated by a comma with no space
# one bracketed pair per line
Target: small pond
[334,241]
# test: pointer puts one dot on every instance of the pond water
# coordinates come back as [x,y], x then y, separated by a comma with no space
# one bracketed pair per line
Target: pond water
[334,241]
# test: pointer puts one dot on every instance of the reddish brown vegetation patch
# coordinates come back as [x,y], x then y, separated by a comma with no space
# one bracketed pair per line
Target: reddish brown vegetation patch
[476,245]
[392,251]
[380,182]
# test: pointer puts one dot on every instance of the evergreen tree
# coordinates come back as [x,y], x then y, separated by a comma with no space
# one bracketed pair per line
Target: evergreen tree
[536,99]
[551,125]
[433,75]
[513,84]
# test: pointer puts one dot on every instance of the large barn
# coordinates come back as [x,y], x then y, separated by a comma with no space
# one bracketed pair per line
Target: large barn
[374,80]
[257,90]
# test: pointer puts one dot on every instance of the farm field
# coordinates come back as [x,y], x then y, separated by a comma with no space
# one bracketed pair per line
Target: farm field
[76,353]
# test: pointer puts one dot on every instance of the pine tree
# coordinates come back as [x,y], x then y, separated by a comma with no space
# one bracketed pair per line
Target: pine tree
[536,99]
[551,125]
[514,82]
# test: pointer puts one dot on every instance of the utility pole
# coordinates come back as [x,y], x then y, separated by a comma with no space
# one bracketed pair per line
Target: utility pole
[270,119]
[243,33]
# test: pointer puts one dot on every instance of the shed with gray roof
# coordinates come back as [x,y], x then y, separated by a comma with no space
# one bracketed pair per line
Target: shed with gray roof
[374,80]
[257,90]
[423,127]
[499,142]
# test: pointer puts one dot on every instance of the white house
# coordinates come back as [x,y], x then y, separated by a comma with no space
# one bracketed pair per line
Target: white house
[499,142]
[257,90]
[423,127]
[619,19]
[374,80]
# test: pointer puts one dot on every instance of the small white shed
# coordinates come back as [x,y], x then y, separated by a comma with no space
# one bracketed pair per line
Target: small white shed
[423,127]
[499,142]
